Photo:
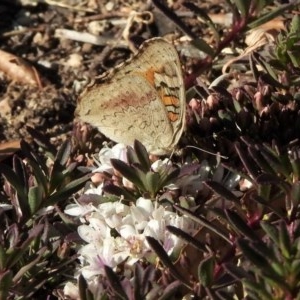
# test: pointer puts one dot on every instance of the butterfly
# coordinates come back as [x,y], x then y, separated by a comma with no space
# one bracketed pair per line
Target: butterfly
[141,99]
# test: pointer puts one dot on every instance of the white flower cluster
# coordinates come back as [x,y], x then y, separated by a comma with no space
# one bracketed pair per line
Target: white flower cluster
[116,233]
[131,225]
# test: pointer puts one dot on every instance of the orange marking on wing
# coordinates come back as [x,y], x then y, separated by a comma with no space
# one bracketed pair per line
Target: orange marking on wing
[172,116]
[149,75]
[170,100]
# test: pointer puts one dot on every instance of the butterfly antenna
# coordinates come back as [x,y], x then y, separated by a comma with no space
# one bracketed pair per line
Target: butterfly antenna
[208,152]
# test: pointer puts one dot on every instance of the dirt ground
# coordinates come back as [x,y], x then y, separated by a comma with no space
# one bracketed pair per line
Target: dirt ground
[51,49]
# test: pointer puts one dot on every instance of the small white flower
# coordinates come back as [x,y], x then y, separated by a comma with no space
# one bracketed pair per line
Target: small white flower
[90,189]
[106,154]
[71,290]
[96,255]
[113,213]
[161,165]
[79,210]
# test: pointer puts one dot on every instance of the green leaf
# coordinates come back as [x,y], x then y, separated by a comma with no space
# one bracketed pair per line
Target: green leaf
[115,284]
[247,161]
[271,74]
[63,153]
[295,198]
[170,291]
[201,45]
[188,238]
[236,271]
[83,287]
[35,198]
[71,188]
[30,265]
[203,221]
[256,290]
[295,268]
[40,170]
[15,254]
[293,56]
[14,181]
[256,258]
[130,173]
[142,155]
[43,141]
[240,226]
[167,178]
[284,240]
[153,183]
[295,24]
[206,271]
[5,283]
[163,256]
[271,231]
[20,169]
[273,14]
[243,6]
[274,161]
[3,257]
[221,191]
[59,171]
[119,191]
[260,160]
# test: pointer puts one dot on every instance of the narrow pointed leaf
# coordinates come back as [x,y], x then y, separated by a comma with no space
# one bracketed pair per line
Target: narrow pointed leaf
[205,223]
[221,191]
[128,172]
[148,277]
[185,236]
[260,160]
[68,190]
[119,191]
[163,256]
[43,141]
[20,169]
[3,257]
[153,183]
[63,153]
[243,6]
[39,167]
[13,180]
[35,198]
[295,194]
[271,231]
[235,271]
[273,14]
[137,281]
[284,240]
[168,178]
[240,226]
[206,271]
[256,258]
[30,265]
[18,252]
[170,290]
[142,155]
[115,283]
[5,283]
[247,162]
[82,286]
